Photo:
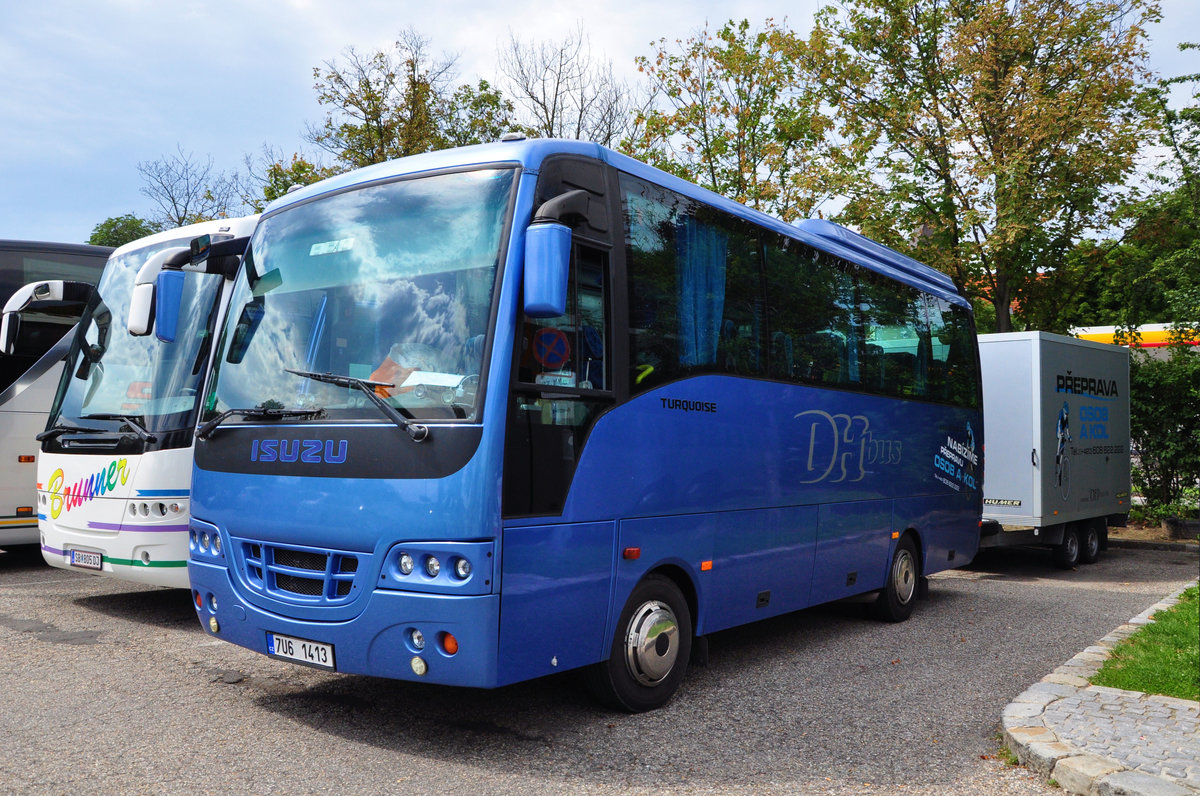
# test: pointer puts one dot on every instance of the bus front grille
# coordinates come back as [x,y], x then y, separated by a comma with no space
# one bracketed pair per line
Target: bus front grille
[306,577]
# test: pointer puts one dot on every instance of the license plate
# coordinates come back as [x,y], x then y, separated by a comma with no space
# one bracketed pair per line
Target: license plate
[301,650]
[86,560]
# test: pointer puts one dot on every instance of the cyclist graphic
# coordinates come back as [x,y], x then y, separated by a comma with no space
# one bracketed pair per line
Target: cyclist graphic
[1062,464]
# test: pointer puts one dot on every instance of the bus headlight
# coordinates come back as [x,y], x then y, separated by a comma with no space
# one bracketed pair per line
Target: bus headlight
[432,567]
[406,564]
[462,568]
[417,638]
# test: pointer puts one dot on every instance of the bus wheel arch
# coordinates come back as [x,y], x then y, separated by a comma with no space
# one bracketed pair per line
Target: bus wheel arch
[649,652]
[904,585]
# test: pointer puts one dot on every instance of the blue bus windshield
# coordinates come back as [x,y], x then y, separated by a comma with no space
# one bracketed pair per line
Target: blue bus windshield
[390,283]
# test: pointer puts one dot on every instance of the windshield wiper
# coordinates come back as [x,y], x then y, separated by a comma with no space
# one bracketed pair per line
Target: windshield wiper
[418,432]
[205,430]
[132,421]
[62,428]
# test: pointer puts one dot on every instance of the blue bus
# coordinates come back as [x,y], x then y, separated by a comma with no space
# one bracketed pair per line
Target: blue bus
[491,413]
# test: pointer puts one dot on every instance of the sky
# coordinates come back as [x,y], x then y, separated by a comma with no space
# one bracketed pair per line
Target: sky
[91,88]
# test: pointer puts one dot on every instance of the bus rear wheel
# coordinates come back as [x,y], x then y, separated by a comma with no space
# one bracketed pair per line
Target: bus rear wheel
[898,598]
[650,651]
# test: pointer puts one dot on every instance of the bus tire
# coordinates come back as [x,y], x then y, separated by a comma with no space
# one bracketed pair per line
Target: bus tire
[1066,554]
[1089,544]
[650,651]
[896,601]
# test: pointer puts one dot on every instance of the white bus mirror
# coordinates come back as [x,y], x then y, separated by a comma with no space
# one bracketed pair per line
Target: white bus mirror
[141,310]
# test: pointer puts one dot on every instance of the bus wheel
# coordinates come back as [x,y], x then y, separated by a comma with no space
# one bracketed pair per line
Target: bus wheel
[895,603]
[1089,546]
[1066,555]
[650,652]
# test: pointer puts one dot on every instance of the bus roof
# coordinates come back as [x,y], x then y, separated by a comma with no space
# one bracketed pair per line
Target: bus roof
[237,226]
[53,246]
[530,153]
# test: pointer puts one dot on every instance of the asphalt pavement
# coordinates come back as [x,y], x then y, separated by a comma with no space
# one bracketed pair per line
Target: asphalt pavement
[112,687]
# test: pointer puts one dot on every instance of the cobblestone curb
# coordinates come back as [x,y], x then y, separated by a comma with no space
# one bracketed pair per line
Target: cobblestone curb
[1096,741]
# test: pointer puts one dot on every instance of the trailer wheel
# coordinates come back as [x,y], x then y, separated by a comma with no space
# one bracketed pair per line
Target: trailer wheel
[1066,555]
[650,652]
[895,603]
[1089,548]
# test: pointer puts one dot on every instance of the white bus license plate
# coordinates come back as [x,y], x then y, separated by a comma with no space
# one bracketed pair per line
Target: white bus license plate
[314,653]
[86,560]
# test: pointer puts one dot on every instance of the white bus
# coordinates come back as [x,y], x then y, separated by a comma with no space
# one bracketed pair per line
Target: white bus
[30,370]
[114,471]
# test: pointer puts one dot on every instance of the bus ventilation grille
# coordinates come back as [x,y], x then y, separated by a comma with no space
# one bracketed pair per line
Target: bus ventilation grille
[303,576]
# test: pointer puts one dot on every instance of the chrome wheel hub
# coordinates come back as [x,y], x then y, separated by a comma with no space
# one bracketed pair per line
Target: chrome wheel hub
[904,576]
[651,642]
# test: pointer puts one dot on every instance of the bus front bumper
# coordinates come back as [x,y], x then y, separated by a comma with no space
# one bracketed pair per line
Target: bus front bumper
[454,644]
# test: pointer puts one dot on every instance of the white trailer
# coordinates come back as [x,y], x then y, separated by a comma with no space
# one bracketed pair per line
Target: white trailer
[1056,410]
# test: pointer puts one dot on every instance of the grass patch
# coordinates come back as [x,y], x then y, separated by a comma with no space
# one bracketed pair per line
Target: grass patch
[1162,657]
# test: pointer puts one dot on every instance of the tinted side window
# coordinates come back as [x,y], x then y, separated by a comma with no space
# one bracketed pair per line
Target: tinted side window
[954,365]
[895,353]
[695,289]
[810,296]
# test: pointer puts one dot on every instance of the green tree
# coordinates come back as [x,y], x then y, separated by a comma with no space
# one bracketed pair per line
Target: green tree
[1164,424]
[383,105]
[733,112]
[1151,272]
[119,230]
[998,130]
[475,115]
[271,174]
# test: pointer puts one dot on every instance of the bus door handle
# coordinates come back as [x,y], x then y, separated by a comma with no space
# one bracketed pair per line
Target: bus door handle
[1033,457]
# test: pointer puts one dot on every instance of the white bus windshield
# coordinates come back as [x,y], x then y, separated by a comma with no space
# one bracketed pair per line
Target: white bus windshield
[111,374]
[390,283]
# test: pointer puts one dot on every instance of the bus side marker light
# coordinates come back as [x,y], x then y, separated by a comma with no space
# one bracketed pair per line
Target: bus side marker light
[24,511]
[631,553]
[25,459]
[419,666]
[705,566]
[896,534]
[449,643]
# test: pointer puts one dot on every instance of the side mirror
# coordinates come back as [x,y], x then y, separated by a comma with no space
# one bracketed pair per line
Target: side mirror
[37,294]
[141,310]
[169,300]
[10,323]
[142,303]
[547,261]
